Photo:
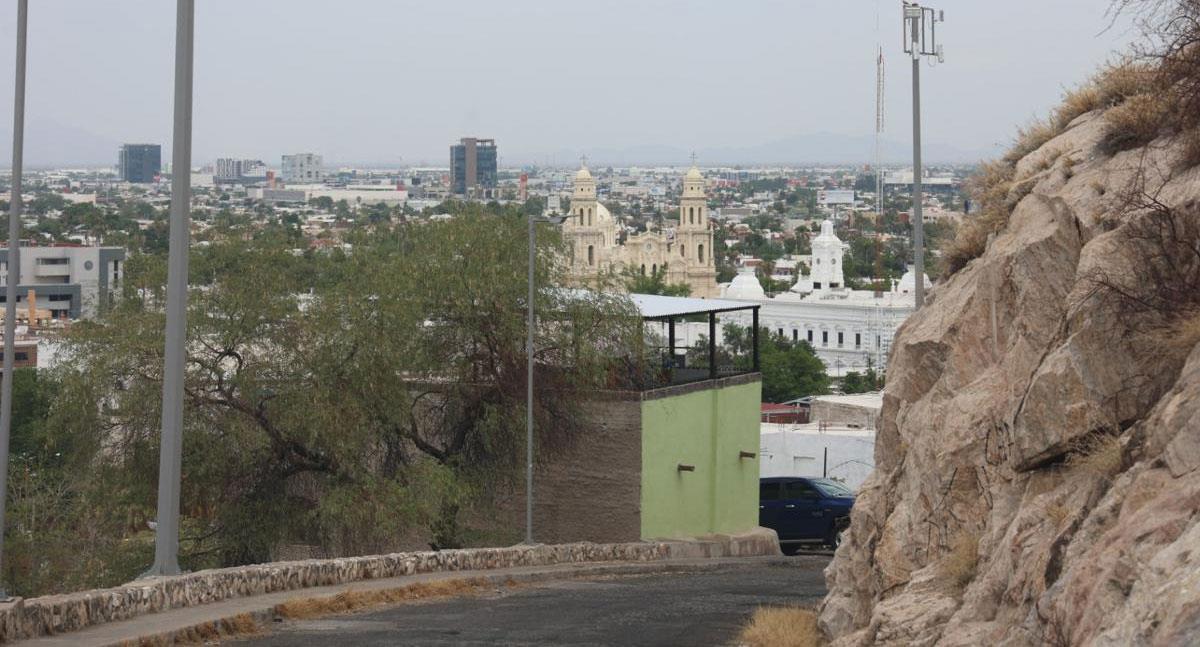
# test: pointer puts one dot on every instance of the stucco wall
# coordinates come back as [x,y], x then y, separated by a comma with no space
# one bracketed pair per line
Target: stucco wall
[704,427]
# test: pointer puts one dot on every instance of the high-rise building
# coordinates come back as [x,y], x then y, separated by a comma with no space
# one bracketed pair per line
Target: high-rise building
[69,282]
[473,166]
[303,168]
[230,170]
[139,163]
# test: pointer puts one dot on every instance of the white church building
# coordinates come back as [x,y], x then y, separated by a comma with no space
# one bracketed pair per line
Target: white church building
[851,330]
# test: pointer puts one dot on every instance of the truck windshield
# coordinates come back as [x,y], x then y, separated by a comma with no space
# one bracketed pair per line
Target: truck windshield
[832,488]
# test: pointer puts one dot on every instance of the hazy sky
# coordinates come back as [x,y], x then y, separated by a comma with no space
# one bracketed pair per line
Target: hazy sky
[393,81]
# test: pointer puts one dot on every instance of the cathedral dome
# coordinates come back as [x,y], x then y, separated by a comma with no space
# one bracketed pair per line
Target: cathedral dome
[745,286]
[694,174]
[908,282]
[583,174]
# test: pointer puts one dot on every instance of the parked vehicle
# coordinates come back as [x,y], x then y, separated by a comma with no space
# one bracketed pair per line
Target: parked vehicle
[804,510]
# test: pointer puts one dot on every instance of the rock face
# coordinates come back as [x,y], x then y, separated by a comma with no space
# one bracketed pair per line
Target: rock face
[1037,474]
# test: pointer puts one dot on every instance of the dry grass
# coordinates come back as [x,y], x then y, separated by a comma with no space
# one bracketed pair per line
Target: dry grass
[1123,80]
[1079,101]
[1182,335]
[1057,514]
[347,601]
[1096,453]
[1139,120]
[958,566]
[782,627]
[1030,138]
[990,188]
[239,625]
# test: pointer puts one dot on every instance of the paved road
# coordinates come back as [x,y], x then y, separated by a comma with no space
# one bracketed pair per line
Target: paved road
[699,608]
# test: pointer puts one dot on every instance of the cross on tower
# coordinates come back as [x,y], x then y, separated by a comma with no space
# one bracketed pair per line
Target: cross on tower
[693,158]
[583,160]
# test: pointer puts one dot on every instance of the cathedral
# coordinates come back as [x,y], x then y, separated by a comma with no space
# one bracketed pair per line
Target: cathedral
[600,249]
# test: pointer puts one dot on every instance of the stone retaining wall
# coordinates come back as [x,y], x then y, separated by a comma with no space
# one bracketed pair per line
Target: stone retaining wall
[56,614]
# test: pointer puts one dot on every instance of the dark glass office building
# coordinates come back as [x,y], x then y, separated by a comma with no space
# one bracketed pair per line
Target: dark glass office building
[139,163]
[473,167]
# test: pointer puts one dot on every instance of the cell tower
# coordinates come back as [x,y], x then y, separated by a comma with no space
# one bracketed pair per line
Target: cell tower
[879,70]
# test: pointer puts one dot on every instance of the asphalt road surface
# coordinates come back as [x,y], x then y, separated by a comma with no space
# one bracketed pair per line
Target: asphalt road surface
[693,609]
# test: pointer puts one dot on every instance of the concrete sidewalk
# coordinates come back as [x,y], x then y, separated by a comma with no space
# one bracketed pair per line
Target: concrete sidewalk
[163,628]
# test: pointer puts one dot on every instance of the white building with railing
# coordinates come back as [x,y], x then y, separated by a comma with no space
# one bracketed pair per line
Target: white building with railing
[850,330]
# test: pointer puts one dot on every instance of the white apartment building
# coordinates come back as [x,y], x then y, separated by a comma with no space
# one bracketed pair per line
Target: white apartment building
[68,282]
[303,168]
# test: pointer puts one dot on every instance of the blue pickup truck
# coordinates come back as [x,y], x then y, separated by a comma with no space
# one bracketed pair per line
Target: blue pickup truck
[804,510]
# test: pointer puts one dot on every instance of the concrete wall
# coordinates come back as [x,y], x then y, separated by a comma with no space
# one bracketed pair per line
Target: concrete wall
[847,410]
[705,426]
[592,490]
[789,450]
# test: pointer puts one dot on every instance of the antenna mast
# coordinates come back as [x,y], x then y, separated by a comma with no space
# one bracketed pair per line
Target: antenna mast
[878,170]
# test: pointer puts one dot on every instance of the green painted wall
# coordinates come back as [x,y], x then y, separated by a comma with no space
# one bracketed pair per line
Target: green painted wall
[707,429]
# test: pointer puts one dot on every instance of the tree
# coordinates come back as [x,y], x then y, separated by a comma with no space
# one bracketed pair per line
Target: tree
[855,382]
[334,400]
[654,283]
[790,369]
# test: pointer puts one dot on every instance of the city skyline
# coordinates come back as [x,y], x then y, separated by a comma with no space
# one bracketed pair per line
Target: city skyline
[625,83]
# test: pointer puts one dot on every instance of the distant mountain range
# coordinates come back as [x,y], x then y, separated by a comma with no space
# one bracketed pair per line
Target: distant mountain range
[816,148]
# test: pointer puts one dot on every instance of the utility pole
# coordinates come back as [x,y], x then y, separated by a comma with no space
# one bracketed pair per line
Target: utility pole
[530,325]
[14,266]
[920,39]
[166,535]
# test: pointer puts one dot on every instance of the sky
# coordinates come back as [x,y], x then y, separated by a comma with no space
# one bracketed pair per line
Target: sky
[395,82]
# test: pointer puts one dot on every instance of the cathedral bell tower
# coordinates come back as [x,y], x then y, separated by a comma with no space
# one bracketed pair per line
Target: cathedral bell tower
[584,228]
[694,237]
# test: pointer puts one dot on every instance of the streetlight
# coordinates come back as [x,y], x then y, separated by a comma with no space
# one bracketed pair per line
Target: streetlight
[533,221]
[920,39]
[170,453]
[14,265]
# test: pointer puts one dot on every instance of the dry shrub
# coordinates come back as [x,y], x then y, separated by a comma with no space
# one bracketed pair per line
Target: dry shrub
[1155,283]
[1097,453]
[1079,101]
[782,627]
[958,566]
[1120,81]
[240,625]
[1030,138]
[990,188]
[1183,334]
[1057,513]
[350,600]
[1189,148]
[1139,120]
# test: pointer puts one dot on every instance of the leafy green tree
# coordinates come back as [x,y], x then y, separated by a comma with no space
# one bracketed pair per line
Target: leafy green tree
[654,283]
[341,401]
[790,369]
[855,382]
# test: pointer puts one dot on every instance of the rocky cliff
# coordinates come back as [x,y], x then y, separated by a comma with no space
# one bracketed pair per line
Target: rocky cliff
[1037,472]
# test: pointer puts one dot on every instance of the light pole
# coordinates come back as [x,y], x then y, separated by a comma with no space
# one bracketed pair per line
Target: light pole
[533,220]
[170,457]
[14,266]
[920,39]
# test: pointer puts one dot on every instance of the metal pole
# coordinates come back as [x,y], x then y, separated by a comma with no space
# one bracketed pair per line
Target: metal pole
[918,218]
[529,391]
[14,267]
[166,539]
